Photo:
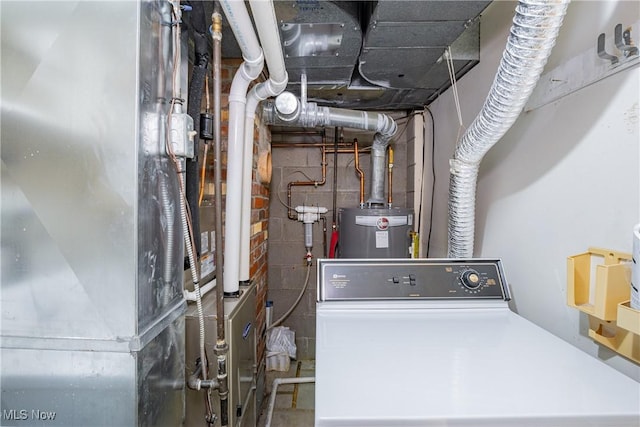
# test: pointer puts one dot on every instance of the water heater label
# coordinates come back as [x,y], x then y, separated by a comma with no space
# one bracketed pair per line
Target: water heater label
[382,222]
[382,239]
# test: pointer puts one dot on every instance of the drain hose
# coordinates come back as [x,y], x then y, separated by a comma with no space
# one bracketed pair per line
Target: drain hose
[297,301]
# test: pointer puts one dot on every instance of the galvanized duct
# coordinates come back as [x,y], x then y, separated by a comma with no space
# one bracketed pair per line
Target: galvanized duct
[533,34]
[288,111]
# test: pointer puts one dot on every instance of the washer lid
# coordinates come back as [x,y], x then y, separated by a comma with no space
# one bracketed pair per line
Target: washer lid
[459,367]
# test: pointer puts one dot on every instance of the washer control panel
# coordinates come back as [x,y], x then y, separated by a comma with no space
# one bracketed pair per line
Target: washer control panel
[376,279]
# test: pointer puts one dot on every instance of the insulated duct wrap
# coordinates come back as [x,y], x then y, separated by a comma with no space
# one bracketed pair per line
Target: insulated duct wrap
[533,34]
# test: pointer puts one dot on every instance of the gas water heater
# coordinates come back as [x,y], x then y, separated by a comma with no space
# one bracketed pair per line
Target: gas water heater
[375,233]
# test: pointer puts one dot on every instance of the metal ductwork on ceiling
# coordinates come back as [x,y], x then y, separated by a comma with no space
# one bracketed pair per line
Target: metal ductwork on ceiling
[386,55]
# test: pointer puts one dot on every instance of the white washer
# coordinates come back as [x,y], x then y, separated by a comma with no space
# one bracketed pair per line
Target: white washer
[434,343]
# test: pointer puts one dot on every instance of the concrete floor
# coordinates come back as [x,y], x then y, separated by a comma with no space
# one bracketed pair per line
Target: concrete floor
[295,403]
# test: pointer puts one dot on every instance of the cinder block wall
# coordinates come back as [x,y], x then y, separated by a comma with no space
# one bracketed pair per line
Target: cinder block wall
[287,267]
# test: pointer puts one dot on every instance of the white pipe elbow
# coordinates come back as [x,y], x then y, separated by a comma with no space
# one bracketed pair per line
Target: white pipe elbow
[193,296]
[277,87]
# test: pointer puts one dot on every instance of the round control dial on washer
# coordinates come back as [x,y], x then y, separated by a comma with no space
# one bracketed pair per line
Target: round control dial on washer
[471,279]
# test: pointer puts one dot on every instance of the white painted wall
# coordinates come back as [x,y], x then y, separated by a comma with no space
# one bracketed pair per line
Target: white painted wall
[564,178]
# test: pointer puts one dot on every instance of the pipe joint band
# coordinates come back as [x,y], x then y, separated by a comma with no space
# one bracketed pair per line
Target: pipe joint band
[281,84]
[234,97]
[257,62]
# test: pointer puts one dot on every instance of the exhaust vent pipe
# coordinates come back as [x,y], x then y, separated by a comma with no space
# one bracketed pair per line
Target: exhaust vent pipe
[533,34]
[287,110]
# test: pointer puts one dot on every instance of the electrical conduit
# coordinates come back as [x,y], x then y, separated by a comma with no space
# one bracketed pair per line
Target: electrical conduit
[179,163]
[240,23]
[535,27]
[267,26]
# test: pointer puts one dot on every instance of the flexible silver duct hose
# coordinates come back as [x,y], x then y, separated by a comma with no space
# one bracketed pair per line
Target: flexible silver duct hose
[533,34]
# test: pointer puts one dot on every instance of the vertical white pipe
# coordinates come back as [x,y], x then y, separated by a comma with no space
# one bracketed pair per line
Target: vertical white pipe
[267,25]
[240,23]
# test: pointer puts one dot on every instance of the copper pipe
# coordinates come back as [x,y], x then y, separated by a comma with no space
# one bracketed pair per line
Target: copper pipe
[389,197]
[359,171]
[297,132]
[323,163]
[348,150]
[307,145]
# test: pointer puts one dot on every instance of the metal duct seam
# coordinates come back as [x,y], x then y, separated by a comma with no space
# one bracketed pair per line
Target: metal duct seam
[534,31]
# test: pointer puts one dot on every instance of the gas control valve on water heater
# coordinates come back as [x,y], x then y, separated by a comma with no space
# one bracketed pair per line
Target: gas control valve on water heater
[375,233]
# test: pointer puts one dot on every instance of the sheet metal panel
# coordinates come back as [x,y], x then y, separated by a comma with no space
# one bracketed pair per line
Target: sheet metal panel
[96,388]
[159,239]
[405,41]
[69,169]
[92,310]
[84,231]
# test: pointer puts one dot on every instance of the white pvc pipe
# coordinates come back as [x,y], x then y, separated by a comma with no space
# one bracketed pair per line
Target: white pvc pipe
[240,23]
[192,296]
[264,15]
[274,389]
